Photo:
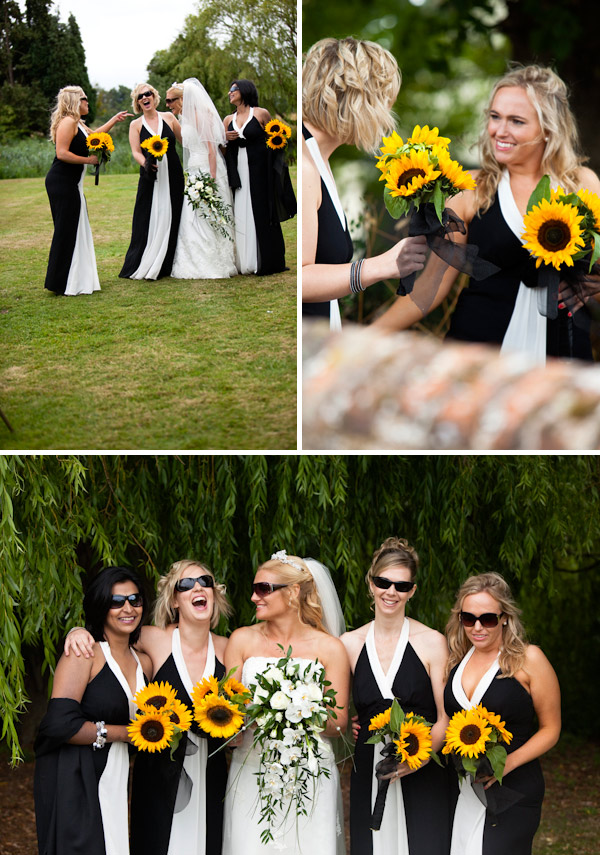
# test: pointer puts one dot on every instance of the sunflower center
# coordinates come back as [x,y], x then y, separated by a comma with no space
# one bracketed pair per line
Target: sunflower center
[554,235]
[470,734]
[157,146]
[411,744]
[276,139]
[407,177]
[220,715]
[175,718]
[158,701]
[152,731]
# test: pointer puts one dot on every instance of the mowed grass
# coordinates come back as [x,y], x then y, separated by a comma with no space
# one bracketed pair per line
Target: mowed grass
[173,364]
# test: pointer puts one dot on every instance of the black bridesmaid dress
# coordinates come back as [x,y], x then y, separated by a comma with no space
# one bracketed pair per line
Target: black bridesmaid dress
[426,792]
[511,831]
[156,782]
[269,237]
[143,209]
[484,309]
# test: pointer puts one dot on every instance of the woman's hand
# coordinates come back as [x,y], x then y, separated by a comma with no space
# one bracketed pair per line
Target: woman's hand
[231,135]
[92,159]
[411,254]
[121,116]
[80,641]
[355,727]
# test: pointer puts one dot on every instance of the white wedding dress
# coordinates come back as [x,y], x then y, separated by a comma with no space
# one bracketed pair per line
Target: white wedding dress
[321,831]
[202,252]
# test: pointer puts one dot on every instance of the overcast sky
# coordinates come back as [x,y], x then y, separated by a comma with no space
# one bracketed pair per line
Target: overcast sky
[120,37]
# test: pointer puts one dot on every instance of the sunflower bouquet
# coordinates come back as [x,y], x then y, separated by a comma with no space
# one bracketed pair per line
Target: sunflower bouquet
[408,740]
[291,704]
[100,144]
[155,147]
[475,738]
[162,718]
[278,134]
[202,193]
[220,705]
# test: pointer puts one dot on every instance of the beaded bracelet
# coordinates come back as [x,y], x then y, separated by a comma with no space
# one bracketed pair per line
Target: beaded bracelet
[101,733]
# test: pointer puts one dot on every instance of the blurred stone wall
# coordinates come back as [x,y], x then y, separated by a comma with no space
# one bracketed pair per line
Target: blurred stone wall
[363,389]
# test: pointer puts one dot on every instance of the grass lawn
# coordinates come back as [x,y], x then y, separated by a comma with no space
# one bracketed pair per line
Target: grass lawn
[173,364]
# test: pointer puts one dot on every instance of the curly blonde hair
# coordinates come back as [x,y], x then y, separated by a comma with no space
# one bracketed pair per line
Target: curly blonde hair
[349,87]
[307,603]
[137,91]
[165,612]
[68,103]
[514,642]
[549,97]
[393,552]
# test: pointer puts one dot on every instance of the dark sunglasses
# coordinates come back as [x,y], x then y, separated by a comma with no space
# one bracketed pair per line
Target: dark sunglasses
[144,95]
[170,100]
[83,99]
[234,89]
[488,620]
[264,588]
[117,601]
[187,583]
[401,587]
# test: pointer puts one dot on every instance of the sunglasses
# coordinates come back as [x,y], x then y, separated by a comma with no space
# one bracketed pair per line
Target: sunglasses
[401,587]
[117,601]
[83,99]
[264,588]
[234,89]
[188,582]
[144,95]
[170,100]
[488,620]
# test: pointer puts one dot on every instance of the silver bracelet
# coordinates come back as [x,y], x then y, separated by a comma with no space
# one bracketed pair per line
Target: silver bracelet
[73,628]
[101,734]
[355,276]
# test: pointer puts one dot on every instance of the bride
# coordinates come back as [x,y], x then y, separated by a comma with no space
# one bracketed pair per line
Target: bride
[296,606]
[202,252]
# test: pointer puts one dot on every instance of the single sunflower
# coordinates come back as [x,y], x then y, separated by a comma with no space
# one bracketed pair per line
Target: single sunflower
[453,171]
[552,233]
[180,715]
[414,744]
[233,687]
[218,716]
[210,685]
[156,697]
[391,144]
[592,202]
[467,734]
[94,141]
[380,720]
[151,731]
[274,127]
[428,137]
[495,721]
[156,145]
[276,141]
[408,174]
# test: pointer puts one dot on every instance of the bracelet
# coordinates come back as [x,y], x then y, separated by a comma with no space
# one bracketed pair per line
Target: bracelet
[355,276]
[101,734]
[73,628]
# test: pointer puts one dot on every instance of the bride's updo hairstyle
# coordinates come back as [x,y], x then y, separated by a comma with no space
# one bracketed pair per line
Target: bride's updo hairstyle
[550,99]
[165,611]
[393,552]
[307,603]
[137,91]
[68,103]
[514,643]
[349,87]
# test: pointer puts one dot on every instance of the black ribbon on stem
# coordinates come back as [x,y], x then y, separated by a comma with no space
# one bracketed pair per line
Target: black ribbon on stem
[150,167]
[385,767]
[463,257]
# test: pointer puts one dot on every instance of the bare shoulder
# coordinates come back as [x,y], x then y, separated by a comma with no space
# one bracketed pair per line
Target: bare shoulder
[430,643]
[136,124]
[261,114]
[535,658]
[355,638]
[588,179]
[220,643]
[228,119]
[244,636]
[146,664]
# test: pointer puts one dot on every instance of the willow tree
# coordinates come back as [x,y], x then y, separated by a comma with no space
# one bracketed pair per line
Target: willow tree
[534,519]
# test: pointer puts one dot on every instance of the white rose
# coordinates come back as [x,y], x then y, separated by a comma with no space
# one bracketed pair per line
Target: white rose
[280,701]
[274,675]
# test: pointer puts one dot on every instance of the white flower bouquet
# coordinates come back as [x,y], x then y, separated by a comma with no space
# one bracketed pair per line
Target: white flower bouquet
[290,708]
[203,195]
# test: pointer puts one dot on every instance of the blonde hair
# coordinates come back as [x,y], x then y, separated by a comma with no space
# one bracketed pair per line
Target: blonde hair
[307,604]
[137,90]
[549,97]
[68,103]
[349,87]
[177,88]
[393,552]
[165,612]
[514,642]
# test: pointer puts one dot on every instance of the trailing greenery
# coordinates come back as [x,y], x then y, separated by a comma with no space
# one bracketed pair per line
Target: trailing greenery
[534,519]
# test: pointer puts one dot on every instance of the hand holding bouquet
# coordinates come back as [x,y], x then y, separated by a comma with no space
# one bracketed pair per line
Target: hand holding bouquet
[162,719]
[156,147]
[476,738]
[409,741]
[102,146]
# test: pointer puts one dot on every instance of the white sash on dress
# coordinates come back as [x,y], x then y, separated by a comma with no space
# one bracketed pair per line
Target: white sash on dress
[246,243]
[83,272]
[392,836]
[469,816]
[526,331]
[159,228]
[188,830]
[112,786]
[335,320]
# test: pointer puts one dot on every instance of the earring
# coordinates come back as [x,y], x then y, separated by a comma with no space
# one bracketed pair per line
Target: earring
[505,623]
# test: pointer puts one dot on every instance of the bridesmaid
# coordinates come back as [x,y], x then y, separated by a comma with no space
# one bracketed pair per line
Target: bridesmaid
[258,237]
[394,656]
[491,663]
[82,761]
[160,191]
[173,807]
[72,262]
